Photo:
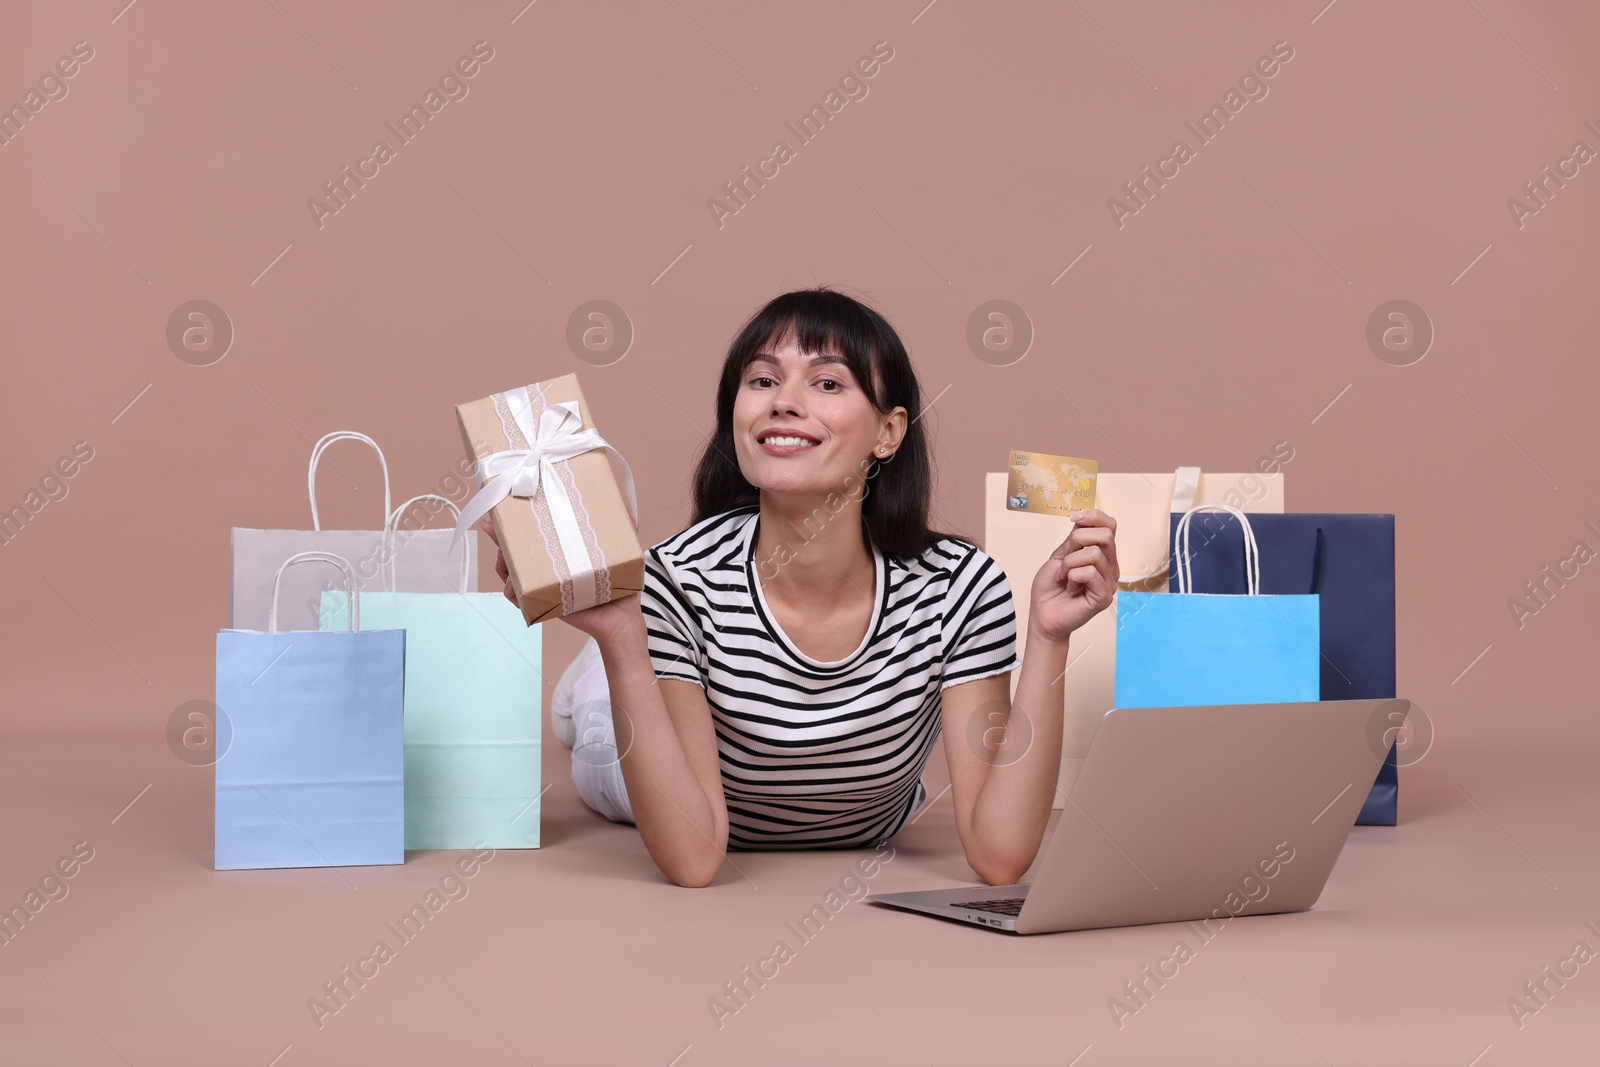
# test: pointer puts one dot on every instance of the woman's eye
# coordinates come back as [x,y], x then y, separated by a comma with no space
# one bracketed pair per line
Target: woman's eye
[760,380]
[830,382]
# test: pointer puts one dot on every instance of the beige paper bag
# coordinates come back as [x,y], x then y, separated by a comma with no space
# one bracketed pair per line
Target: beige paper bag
[1142,504]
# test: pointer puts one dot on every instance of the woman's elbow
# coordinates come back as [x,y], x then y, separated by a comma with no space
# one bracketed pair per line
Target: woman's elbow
[693,876]
[997,875]
[694,870]
[691,860]
[1001,870]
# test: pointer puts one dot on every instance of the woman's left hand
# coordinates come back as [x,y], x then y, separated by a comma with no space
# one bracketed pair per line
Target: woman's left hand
[1079,579]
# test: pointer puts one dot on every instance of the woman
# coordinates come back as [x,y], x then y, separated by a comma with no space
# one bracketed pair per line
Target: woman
[795,652]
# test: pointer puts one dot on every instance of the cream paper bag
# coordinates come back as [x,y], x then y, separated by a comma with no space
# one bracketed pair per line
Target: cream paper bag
[1143,505]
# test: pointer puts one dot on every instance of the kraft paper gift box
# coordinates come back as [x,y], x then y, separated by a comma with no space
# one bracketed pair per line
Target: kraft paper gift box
[567,529]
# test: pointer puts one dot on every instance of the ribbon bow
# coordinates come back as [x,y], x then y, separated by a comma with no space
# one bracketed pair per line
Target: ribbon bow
[523,472]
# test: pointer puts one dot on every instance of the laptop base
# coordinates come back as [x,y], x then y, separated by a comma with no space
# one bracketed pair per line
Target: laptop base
[945,904]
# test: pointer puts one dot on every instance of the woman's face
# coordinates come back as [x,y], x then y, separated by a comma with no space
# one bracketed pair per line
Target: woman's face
[802,424]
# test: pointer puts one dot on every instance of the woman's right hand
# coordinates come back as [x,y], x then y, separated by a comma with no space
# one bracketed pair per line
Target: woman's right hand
[602,622]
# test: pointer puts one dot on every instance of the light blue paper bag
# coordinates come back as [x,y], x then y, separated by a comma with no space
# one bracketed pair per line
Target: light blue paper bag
[1184,648]
[312,771]
[472,718]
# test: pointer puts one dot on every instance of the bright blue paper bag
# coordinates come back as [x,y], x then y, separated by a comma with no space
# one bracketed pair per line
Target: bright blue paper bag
[1183,648]
[312,771]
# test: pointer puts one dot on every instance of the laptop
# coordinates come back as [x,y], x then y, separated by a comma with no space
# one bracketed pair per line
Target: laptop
[1192,813]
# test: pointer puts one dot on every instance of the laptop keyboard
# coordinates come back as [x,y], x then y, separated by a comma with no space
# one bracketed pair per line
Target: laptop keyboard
[1001,906]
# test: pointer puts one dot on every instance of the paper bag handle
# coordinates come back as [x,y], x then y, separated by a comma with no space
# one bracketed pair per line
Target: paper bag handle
[1252,552]
[1185,484]
[316,457]
[326,557]
[389,531]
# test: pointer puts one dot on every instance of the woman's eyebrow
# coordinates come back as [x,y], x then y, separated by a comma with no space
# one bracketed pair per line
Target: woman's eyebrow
[816,358]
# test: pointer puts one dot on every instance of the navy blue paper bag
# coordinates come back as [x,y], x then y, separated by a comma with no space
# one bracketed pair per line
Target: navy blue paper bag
[1348,560]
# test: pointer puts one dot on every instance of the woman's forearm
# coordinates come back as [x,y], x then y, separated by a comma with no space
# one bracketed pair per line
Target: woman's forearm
[1013,806]
[670,807]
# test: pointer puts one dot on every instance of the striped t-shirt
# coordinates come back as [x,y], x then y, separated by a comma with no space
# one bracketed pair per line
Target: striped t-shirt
[822,754]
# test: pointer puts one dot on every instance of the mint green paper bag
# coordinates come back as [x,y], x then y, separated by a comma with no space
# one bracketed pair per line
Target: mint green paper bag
[472,719]
[472,714]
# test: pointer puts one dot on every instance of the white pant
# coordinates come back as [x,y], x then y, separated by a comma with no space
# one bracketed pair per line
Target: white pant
[580,715]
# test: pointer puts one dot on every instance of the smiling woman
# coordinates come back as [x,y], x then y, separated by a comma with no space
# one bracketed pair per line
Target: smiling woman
[794,703]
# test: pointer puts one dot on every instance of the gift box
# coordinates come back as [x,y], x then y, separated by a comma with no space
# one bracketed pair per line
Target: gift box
[567,529]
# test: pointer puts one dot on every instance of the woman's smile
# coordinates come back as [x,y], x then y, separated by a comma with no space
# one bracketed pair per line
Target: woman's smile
[785,442]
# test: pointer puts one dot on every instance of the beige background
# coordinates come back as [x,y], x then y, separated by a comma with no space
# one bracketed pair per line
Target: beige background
[1230,314]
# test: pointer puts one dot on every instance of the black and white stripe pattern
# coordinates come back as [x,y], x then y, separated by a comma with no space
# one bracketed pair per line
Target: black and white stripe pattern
[822,755]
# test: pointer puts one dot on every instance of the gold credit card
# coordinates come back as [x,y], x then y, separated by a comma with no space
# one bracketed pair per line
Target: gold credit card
[1050,485]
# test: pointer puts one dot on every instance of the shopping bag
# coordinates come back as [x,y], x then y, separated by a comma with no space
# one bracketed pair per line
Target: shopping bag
[1187,648]
[472,711]
[1348,560]
[257,554]
[1020,542]
[310,772]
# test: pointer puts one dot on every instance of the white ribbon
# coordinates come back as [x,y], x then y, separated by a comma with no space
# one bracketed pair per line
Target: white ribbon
[522,472]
